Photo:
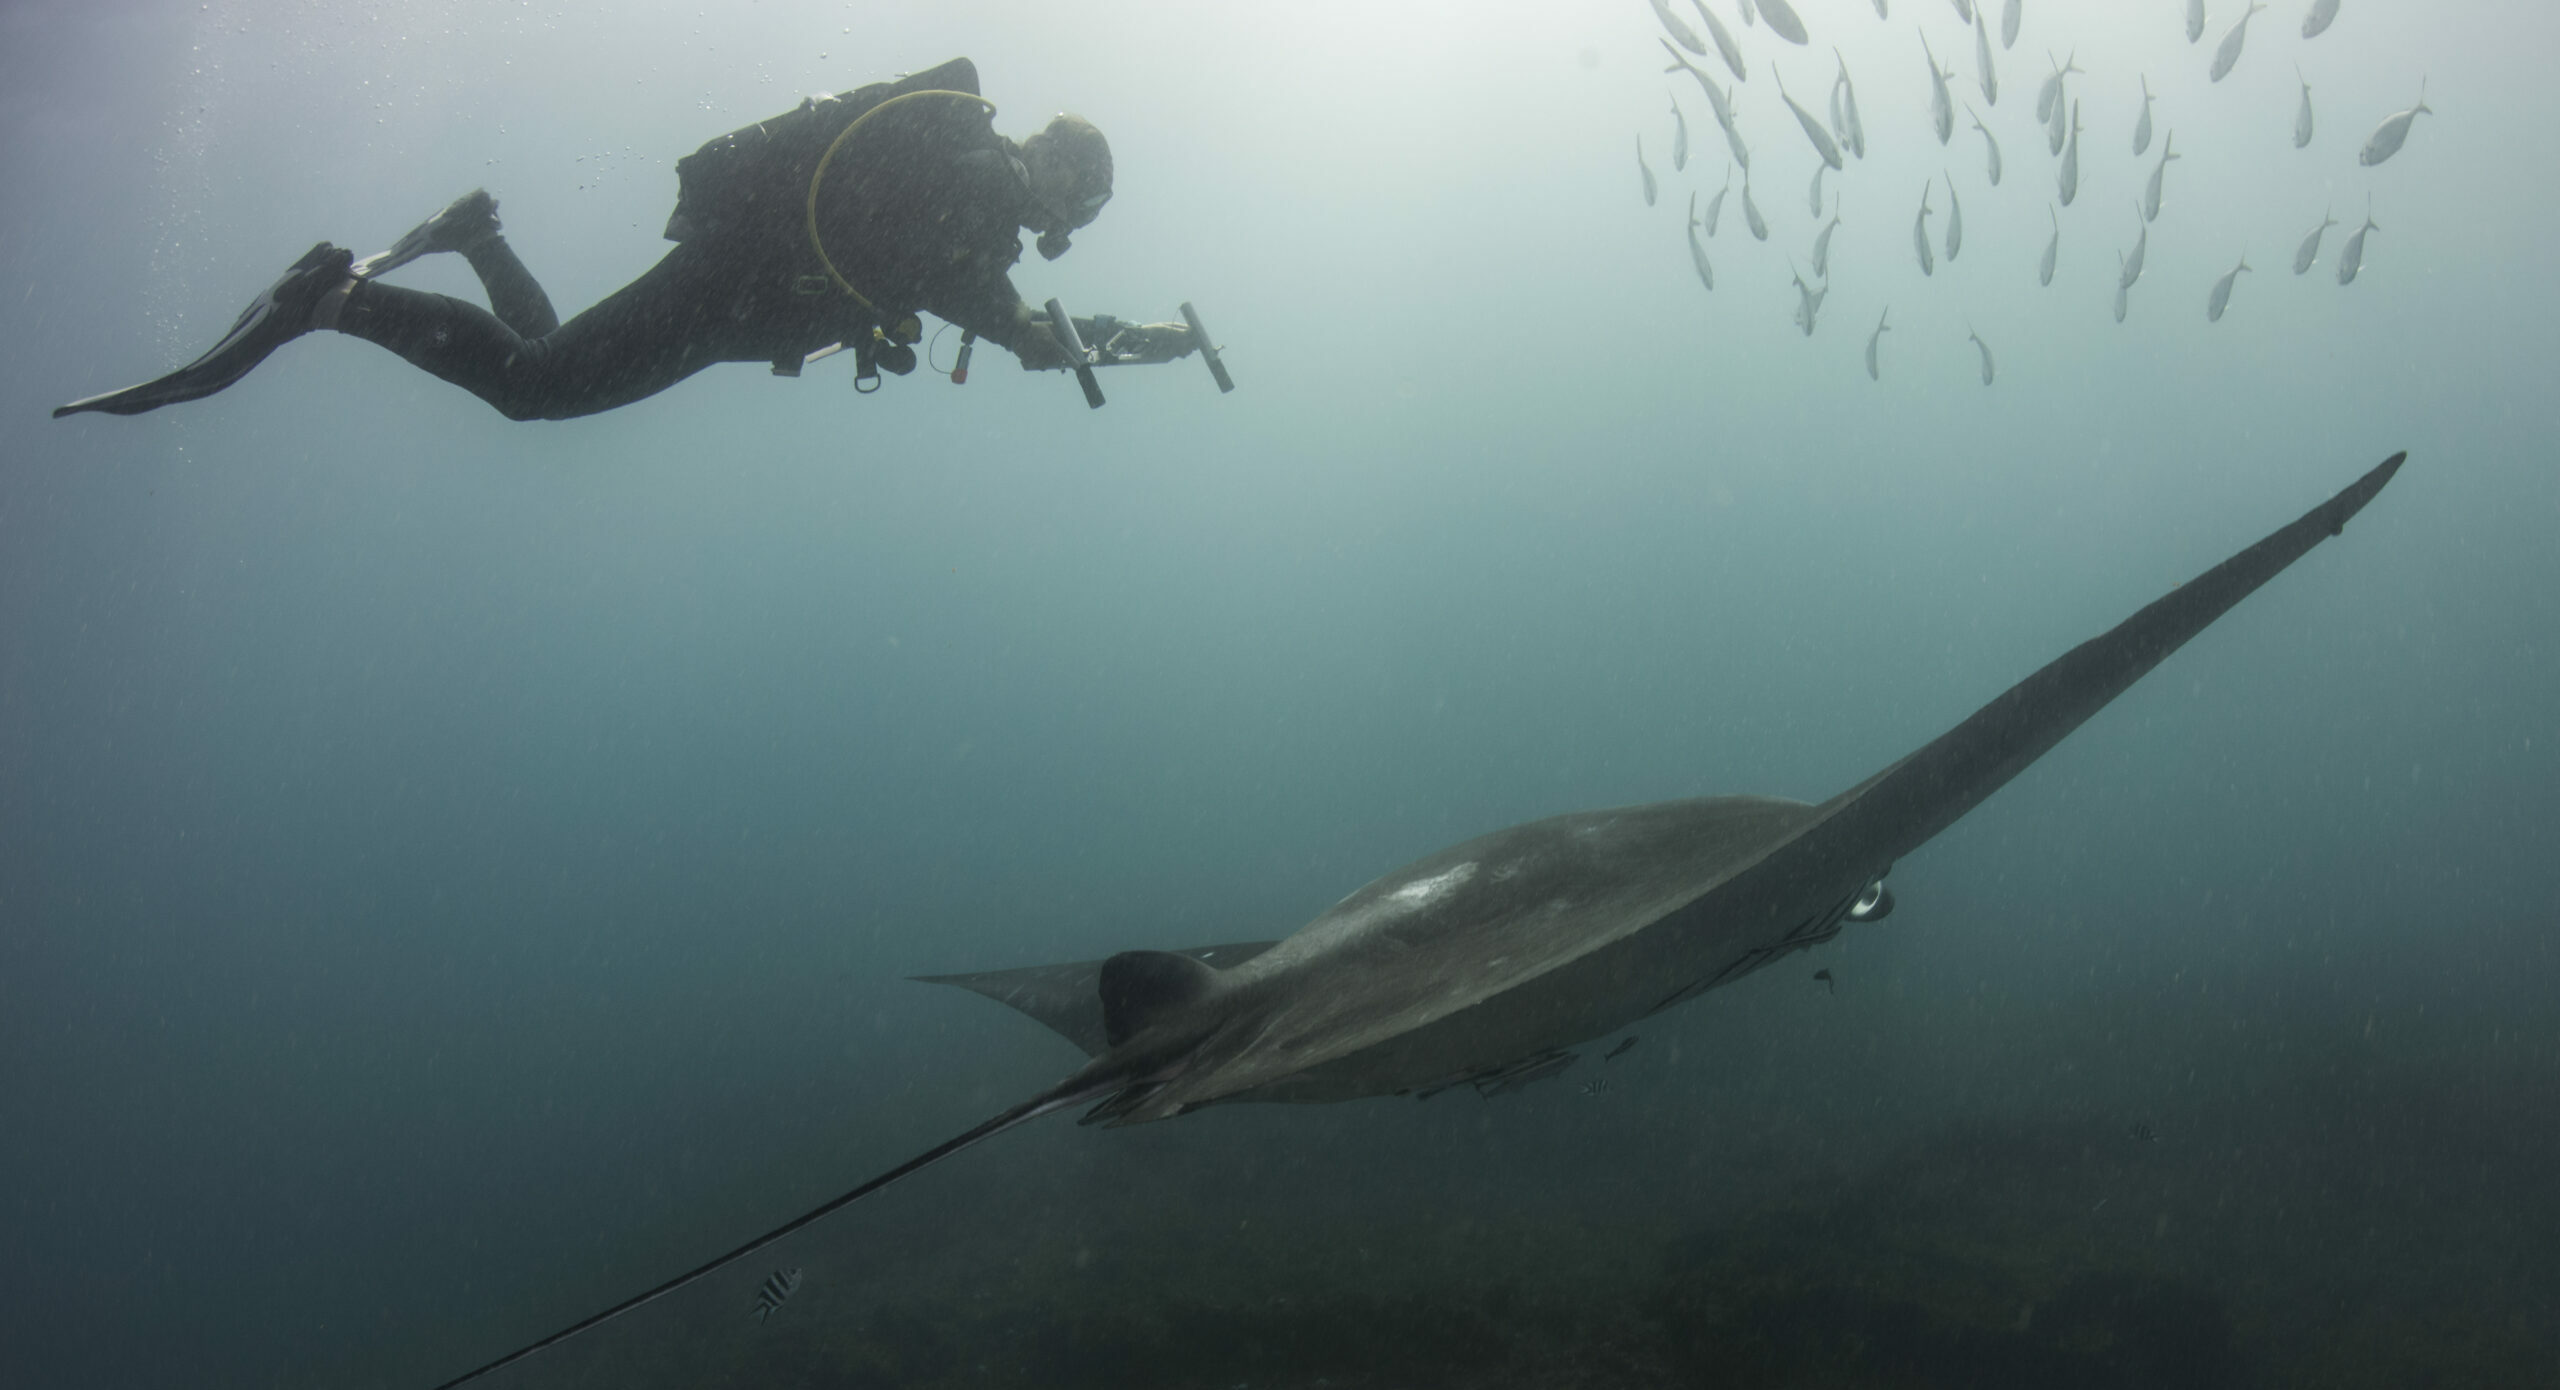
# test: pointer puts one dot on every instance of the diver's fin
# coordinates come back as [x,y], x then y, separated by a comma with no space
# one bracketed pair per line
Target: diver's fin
[457,226]
[274,318]
[1068,997]
[1073,1091]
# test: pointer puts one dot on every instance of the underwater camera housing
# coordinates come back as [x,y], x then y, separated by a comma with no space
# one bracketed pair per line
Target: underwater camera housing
[1104,341]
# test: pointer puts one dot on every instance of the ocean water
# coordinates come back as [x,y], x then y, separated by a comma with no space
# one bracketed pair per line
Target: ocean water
[455,874]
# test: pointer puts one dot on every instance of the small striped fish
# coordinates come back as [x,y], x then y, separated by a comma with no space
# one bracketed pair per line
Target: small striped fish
[777,1289]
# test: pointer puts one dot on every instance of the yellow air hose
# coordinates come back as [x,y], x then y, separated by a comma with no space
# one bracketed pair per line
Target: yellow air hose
[818,245]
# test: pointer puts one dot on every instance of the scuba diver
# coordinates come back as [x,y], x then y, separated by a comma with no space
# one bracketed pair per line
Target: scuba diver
[831,225]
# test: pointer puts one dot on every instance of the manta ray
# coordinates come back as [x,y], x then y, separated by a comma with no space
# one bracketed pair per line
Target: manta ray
[1487,962]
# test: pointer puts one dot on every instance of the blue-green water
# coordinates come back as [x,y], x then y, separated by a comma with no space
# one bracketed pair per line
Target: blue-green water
[455,873]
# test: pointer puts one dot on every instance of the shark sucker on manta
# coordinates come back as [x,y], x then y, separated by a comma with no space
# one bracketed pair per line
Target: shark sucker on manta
[1486,963]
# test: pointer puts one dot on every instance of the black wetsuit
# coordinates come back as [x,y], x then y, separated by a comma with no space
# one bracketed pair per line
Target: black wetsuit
[920,210]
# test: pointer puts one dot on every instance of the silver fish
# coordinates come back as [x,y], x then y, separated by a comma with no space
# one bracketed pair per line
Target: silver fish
[1751,210]
[1882,328]
[1808,303]
[1671,24]
[2220,299]
[1839,118]
[2009,24]
[1749,14]
[2049,95]
[1920,233]
[2386,137]
[2071,160]
[2052,249]
[774,1292]
[1813,195]
[2129,268]
[2195,20]
[1849,109]
[2229,53]
[2151,190]
[1647,170]
[1822,244]
[1782,21]
[1964,10]
[1987,371]
[1880,14]
[2351,260]
[1719,100]
[1987,75]
[1823,144]
[1697,253]
[2322,12]
[1942,111]
[1715,205]
[1992,145]
[2121,287]
[2309,251]
[1723,38]
[2142,124]
[1955,221]
[1679,138]
[2302,117]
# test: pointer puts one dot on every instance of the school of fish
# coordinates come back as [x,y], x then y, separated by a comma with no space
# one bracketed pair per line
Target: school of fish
[1836,139]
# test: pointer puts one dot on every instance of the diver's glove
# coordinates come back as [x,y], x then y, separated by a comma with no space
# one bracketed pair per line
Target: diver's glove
[1116,342]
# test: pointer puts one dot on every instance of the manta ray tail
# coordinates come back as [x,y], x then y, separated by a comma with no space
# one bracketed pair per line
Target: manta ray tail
[1074,1091]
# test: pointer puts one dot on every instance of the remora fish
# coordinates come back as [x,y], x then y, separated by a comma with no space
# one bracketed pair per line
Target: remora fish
[1881,329]
[1920,233]
[2351,260]
[1813,194]
[2151,190]
[1992,146]
[1697,253]
[2070,180]
[2195,20]
[1849,109]
[2221,296]
[2229,53]
[2302,117]
[2322,11]
[1955,221]
[2309,250]
[1751,210]
[1516,946]
[1822,244]
[2052,248]
[2387,137]
[2142,124]
[1723,38]
[1983,72]
[1783,22]
[1986,353]
[1715,205]
[2009,24]
[1686,37]
[1942,111]
[1646,170]
[1813,131]
[2050,94]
